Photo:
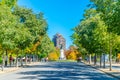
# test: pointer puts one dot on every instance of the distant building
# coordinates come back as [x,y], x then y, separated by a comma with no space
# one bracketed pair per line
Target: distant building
[59,41]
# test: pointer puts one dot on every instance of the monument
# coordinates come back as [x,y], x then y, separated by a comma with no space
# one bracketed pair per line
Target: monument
[60,43]
[62,56]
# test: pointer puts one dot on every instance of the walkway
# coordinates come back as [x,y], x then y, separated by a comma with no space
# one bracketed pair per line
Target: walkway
[57,71]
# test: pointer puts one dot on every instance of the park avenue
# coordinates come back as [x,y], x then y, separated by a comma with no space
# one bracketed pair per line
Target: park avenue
[56,71]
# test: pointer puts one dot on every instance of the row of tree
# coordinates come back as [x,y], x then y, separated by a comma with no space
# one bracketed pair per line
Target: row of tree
[70,54]
[22,32]
[98,32]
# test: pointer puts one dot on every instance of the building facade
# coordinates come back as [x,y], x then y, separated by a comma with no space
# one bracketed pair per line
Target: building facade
[59,41]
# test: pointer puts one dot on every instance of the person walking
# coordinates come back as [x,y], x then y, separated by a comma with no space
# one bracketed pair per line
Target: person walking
[10,59]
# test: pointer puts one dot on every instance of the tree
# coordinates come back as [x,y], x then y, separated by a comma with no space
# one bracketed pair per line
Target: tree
[22,30]
[7,33]
[35,23]
[46,46]
[109,11]
[8,3]
[72,53]
[91,33]
[53,56]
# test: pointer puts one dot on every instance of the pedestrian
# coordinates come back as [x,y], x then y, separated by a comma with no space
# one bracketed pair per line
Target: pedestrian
[10,59]
[80,58]
[47,59]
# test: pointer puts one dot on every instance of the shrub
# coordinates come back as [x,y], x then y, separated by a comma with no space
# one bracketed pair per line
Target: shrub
[53,56]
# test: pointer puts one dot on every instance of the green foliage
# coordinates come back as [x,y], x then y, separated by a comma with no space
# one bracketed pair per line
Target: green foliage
[98,31]
[109,11]
[9,3]
[0,60]
[35,22]
[42,55]
[7,27]
[91,34]
[46,45]
[21,29]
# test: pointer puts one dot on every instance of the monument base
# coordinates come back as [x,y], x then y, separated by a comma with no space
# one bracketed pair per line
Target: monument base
[62,56]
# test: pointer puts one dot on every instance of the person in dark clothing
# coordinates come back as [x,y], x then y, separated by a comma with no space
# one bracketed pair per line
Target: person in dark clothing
[10,59]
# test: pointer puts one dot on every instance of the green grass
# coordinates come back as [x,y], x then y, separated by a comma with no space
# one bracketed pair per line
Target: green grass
[65,61]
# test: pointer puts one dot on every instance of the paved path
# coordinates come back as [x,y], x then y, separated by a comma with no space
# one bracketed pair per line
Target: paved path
[57,71]
[115,69]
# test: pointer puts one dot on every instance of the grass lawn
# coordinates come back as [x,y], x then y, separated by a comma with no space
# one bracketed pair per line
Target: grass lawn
[66,61]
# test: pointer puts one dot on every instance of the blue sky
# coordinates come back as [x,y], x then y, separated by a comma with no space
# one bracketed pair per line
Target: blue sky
[61,15]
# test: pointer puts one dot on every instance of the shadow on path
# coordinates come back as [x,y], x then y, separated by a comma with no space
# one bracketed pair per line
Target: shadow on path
[62,71]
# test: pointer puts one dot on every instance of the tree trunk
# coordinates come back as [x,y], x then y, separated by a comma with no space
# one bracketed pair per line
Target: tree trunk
[100,60]
[115,57]
[30,58]
[21,60]
[3,60]
[84,57]
[26,59]
[95,59]
[110,58]
[37,58]
[110,53]
[104,60]
[17,60]
[89,58]
[6,58]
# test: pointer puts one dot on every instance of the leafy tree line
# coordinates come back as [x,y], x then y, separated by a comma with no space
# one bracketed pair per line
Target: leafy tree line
[22,32]
[98,32]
